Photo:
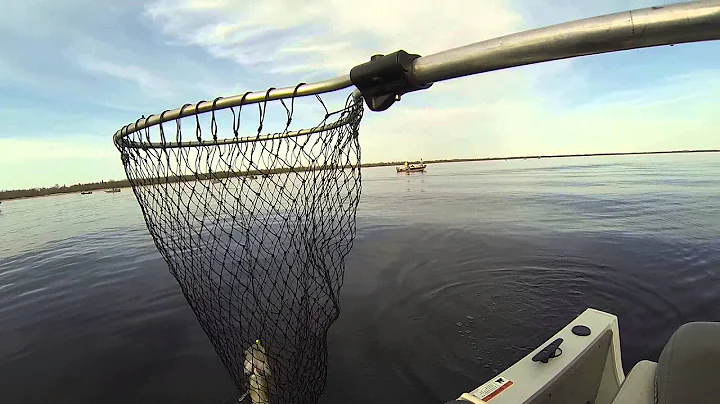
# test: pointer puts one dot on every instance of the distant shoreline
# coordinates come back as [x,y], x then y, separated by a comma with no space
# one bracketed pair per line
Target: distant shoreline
[100,186]
[542,156]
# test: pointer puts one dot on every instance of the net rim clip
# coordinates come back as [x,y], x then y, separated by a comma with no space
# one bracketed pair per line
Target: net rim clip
[385,78]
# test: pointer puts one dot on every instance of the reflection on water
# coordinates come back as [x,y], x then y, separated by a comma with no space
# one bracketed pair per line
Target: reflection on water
[29,224]
[455,274]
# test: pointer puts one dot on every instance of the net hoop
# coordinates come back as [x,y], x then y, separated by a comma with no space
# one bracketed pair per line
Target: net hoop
[301,90]
[344,120]
[255,229]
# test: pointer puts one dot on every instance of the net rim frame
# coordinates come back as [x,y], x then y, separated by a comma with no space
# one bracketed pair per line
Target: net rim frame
[120,138]
[228,141]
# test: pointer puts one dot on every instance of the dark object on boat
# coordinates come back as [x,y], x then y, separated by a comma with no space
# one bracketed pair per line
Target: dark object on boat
[411,168]
[581,330]
[551,351]
[112,191]
[86,193]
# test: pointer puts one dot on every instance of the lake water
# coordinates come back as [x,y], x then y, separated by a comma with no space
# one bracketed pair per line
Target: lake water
[455,274]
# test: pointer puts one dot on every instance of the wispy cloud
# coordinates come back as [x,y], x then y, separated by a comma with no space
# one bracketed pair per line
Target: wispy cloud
[11,75]
[146,82]
[150,83]
[698,85]
[330,36]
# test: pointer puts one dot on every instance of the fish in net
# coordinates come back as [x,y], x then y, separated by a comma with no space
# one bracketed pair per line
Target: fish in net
[255,228]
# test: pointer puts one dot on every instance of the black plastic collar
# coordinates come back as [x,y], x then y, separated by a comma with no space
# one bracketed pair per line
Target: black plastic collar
[385,78]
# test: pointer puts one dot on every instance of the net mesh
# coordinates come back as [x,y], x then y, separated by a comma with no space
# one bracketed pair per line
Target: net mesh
[255,230]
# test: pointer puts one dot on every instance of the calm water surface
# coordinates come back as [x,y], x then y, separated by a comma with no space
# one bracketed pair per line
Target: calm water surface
[455,274]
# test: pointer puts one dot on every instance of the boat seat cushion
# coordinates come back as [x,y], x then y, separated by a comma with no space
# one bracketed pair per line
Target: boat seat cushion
[689,367]
[639,385]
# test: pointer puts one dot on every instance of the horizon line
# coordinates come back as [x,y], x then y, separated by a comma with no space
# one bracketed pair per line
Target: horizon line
[125,183]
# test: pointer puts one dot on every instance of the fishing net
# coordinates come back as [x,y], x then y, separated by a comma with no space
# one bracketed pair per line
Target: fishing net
[255,228]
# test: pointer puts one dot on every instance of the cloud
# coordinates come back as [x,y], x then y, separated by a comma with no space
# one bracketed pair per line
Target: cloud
[291,36]
[687,86]
[168,84]
[11,75]
[149,83]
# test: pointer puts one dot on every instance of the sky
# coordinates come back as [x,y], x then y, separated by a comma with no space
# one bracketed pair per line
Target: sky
[72,72]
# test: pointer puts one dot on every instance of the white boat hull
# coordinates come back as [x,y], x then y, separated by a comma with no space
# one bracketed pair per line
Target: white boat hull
[411,168]
[589,369]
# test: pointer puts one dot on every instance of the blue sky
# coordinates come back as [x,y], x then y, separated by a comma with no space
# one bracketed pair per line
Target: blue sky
[73,72]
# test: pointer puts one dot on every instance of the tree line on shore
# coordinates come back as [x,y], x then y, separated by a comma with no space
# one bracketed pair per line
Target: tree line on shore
[61,189]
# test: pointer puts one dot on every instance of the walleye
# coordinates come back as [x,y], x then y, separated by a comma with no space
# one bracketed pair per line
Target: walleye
[257,367]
